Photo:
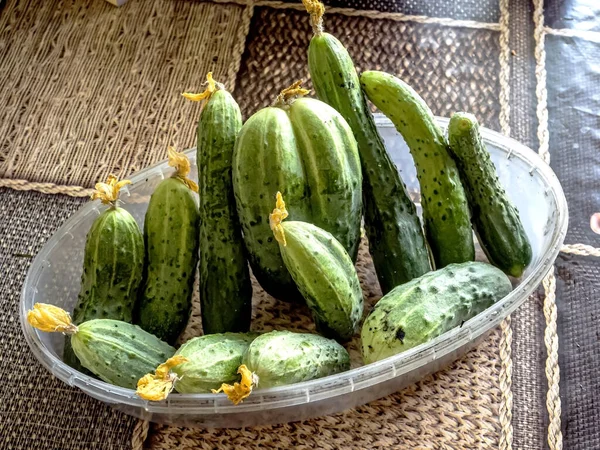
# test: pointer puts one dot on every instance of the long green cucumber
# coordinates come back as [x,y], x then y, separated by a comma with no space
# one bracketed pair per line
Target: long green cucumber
[445,207]
[495,219]
[304,149]
[171,242]
[396,241]
[426,307]
[225,288]
[323,272]
[112,270]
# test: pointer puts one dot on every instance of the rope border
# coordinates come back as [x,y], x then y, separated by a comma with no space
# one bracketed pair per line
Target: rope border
[45,188]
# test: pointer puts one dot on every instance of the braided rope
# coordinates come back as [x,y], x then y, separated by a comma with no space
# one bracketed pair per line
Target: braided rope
[581,249]
[139,435]
[371,14]
[592,36]
[504,68]
[540,74]
[45,188]
[552,368]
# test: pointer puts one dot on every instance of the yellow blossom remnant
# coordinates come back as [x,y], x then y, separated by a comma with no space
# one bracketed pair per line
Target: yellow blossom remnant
[157,387]
[211,87]
[182,165]
[290,93]
[239,391]
[50,318]
[275,219]
[108,193]
[316,9]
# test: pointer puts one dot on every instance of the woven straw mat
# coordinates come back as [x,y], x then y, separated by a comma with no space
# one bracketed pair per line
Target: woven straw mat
[89,89]
[453,69]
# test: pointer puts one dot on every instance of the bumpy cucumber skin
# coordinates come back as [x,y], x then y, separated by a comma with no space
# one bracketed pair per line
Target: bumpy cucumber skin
[325,275]
[495,219]
[118,352]
[396,241]
[225,287]
[283,357]
[445,207]
[306,151]
[427,307]
[112,272]
[171,242]
[213,359]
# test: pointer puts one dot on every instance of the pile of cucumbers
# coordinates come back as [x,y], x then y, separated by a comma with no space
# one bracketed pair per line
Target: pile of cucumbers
[285,194]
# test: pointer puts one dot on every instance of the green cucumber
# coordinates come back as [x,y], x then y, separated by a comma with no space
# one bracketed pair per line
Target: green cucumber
[112,270]
[171,242]
[445,207]
[396,241]
[304,149]
[225,287]
[495,219]
[323,272]
[118,352]
[426,307]
[212,360]
[282,357]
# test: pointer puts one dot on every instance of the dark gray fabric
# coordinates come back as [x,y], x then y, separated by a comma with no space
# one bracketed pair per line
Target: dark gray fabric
[37,410]
[580,14]
[574,115]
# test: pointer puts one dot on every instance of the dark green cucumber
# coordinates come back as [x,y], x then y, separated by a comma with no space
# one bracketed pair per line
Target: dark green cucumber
[171,242]
[396,240]
[445,207]
[118,352]
[225,288]
[495,219]
[326,277]
[112,272]
[426,307]
[213,359]
[282,357]
[306,150]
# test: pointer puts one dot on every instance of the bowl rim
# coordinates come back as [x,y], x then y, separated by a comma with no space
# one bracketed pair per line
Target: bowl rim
[334,385]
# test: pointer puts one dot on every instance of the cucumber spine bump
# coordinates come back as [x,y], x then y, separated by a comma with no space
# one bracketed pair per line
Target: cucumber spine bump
[396,240]
[225,287]
[445,207]
[495,219]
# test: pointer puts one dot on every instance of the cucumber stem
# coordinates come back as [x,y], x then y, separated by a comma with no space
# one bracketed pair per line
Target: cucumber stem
[289,94]
[316,9]
[182,165]
[275,219]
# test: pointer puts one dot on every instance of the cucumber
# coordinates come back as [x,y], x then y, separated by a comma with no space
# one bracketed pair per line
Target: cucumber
[322,271]
[495,219]
[225,287]
[282,357]
[426,307]
[112,265]
[115,351]
[396,241]
[211,360]
[305,149]
[445,207]
[171,242]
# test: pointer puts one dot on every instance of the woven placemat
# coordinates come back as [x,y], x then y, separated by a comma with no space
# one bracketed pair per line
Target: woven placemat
[89,89]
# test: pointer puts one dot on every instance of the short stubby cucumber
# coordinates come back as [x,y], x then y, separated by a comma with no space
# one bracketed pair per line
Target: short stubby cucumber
[396,241]
[225,287]
[171,242]
[426,307]
[304,148]
[112,265]
[282,357]
[115,351]
[322,271]
[445,208]
[495,219]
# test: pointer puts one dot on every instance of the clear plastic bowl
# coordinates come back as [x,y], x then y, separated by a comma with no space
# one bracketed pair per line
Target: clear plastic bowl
[54,277]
